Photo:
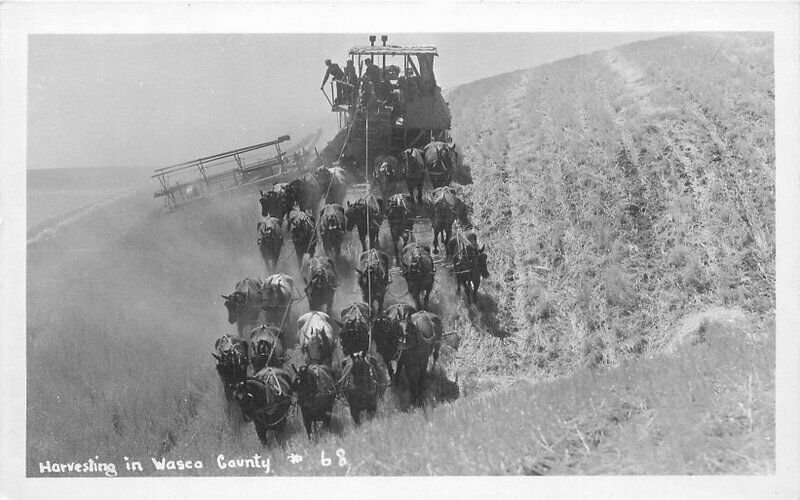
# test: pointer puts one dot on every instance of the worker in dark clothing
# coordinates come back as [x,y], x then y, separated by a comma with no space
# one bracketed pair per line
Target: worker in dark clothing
[336,74]
[350,80]
[368,101]
[373,72]
[350,75]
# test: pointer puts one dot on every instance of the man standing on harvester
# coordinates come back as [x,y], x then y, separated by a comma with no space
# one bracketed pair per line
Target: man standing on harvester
[336,74]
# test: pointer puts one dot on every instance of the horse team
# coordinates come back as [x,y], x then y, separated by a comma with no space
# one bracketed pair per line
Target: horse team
[350,357]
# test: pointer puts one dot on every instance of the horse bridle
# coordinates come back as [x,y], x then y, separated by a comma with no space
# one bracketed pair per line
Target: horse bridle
[317,276]
[439,162]
[300,222]
[349,369]
[369,271]
[232,356]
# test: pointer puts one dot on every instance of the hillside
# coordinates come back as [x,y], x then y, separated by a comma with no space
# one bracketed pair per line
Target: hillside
[621,192]
[626,199]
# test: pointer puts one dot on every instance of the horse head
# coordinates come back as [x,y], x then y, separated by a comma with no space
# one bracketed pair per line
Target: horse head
[266,231]
[286,194]
[415,260]
[234,304]
[302,226]
[354,332]
[231,357]
[295,189]
[324,175]
[407,331]
[355,214]
[384,167]
[397,206]
[263,349]
[331,220]
[271,295]
[372,272]
[304,381]
[318,346]
[247,394]
[319,278]
[361,373]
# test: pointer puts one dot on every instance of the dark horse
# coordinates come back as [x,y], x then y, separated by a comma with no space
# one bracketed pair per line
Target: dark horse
[231,355]
[440,159]
[270,241]
[412,169]
[373,276]
[420,336]
[244,304]
[266,398]
[444,208]
[363,381]
[304,235]
[277,202]
[307,193]
[418,271]
[354,334]
[316,392]
[401,221]
[321,284]
[469,263]
[384,171]
[386,333]
[267,347]
[367,215]
[332,184]
[332,224]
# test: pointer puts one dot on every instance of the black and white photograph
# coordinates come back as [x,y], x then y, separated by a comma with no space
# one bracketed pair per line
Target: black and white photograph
[262,241]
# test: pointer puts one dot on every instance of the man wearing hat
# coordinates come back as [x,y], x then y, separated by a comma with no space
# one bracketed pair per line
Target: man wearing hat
[336,74]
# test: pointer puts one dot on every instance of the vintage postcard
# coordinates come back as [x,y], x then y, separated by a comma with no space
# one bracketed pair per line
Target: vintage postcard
[482,243]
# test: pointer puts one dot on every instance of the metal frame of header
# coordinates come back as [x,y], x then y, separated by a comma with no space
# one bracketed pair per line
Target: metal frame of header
[219,173]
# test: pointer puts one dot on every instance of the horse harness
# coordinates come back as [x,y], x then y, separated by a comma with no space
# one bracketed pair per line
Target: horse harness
[271,405]
[326,393]
[462,250]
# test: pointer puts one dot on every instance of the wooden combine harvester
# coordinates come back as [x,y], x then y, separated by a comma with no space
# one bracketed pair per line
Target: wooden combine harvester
[244,168]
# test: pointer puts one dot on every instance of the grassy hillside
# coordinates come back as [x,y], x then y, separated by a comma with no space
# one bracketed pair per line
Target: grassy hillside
[619,193]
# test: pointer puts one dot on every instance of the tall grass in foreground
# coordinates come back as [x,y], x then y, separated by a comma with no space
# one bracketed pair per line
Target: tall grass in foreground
[123,310]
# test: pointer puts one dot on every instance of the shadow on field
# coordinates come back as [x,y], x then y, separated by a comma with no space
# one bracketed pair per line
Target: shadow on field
[437,388]
[484,313]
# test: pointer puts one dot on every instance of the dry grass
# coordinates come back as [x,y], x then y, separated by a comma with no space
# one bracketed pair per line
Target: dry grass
[622,191]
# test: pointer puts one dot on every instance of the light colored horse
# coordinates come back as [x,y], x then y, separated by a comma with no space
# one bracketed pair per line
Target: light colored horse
[316,337]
